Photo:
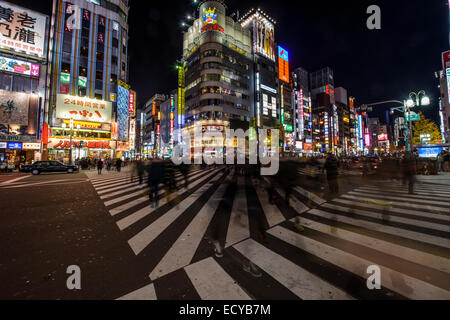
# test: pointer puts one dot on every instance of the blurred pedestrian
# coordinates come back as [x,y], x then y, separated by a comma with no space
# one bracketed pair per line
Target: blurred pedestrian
[118,165]
[99,166]
[409,170]
[332,168]
[184,170]
[169,181]
[155,169]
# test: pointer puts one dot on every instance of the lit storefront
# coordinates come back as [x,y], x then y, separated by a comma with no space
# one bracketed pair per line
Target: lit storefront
[22,82]
[87,123]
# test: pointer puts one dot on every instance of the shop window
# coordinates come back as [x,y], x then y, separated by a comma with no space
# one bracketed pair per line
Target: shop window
[21,84]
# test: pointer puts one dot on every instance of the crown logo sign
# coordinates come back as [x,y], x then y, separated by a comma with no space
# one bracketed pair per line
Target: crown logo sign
[209,16]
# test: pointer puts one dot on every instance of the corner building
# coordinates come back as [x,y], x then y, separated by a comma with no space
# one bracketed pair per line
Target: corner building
[219,72]
[89,96]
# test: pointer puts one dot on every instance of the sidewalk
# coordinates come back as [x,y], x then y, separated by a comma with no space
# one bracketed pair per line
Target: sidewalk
[442,178]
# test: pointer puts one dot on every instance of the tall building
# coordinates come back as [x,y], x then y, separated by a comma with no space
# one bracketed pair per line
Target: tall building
[89,97]
[303,112]
[217,54]
[23,82]
[152,128]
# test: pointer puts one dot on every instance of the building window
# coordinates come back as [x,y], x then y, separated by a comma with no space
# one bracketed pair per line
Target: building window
[84,52]
[83,72]
[113,78]
[85,32]
[65,67]
[100,56]
[99,96]
[98,85]
[115,43]
[5,81]
[99,75]
[114,60]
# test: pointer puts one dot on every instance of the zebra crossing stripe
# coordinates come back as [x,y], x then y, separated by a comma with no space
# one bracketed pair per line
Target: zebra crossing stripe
[144,212]
[388,217]
[141,240]
[404,198]
[427,204]
[145,293]
[182,251]
[431,209]
[426,195]
[302,283]
[438,241]
[238,228]
[129,188]
[409,212]
[271,211]
[212,283]
[393,280]
[115,211]
[309,195]
[411,254]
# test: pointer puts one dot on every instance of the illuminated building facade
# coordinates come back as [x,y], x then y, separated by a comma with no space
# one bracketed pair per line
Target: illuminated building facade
[23,82]
[152,128]
[267,103]
[303,112]
[217,55]
[89,65]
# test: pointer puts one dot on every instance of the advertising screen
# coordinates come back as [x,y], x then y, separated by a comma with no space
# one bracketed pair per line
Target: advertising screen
[283,64]
[19,66]
[83,109]
[431,152]
[123,112]
[22,30]
[264,37]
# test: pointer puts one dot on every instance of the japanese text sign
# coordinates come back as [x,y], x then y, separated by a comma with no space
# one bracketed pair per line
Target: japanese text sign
[83,109]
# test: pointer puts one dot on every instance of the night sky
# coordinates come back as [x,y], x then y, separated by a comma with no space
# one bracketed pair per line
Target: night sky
[373,65]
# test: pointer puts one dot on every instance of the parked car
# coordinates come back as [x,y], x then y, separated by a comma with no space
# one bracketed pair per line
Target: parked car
[48,166]
[7,166]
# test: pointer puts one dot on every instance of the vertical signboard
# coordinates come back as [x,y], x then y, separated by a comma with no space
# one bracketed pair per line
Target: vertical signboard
[132,105]
[263,36]
[123,112]
[446,67]
[283,64]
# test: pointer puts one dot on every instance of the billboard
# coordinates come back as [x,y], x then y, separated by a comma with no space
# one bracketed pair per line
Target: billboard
[431,152]
[123,112]
[14,107]
[22,30]
[264,37]
[132,103]
[446,67]
[283,64]
[83,109]
[19,66]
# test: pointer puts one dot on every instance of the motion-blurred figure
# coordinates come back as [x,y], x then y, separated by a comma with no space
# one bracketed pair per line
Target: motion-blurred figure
[409,172]
[332,168]
[155,170]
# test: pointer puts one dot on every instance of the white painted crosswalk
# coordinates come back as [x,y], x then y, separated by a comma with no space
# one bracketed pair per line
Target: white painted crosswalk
[407,237]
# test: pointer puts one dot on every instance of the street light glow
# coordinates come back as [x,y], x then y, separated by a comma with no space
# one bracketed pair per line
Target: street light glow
[425,101]
[410,103]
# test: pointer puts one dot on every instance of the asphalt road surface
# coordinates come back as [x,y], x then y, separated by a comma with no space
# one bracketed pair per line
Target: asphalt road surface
[128,249]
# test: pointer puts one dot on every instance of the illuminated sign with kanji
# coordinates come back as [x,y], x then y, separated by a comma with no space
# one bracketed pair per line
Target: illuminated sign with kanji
[132,103]
[89,144]
[22,30]
[83,109]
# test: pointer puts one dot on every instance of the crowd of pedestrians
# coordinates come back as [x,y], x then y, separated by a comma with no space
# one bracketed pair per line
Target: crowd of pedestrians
[100,164]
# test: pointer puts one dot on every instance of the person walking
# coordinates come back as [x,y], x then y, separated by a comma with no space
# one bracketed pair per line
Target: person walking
[409,170]
[99,166]
[155,169]
[108,164]
[332,168]
[140,168]
[184,170]
[169,181]
[118,165]
[440,159]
